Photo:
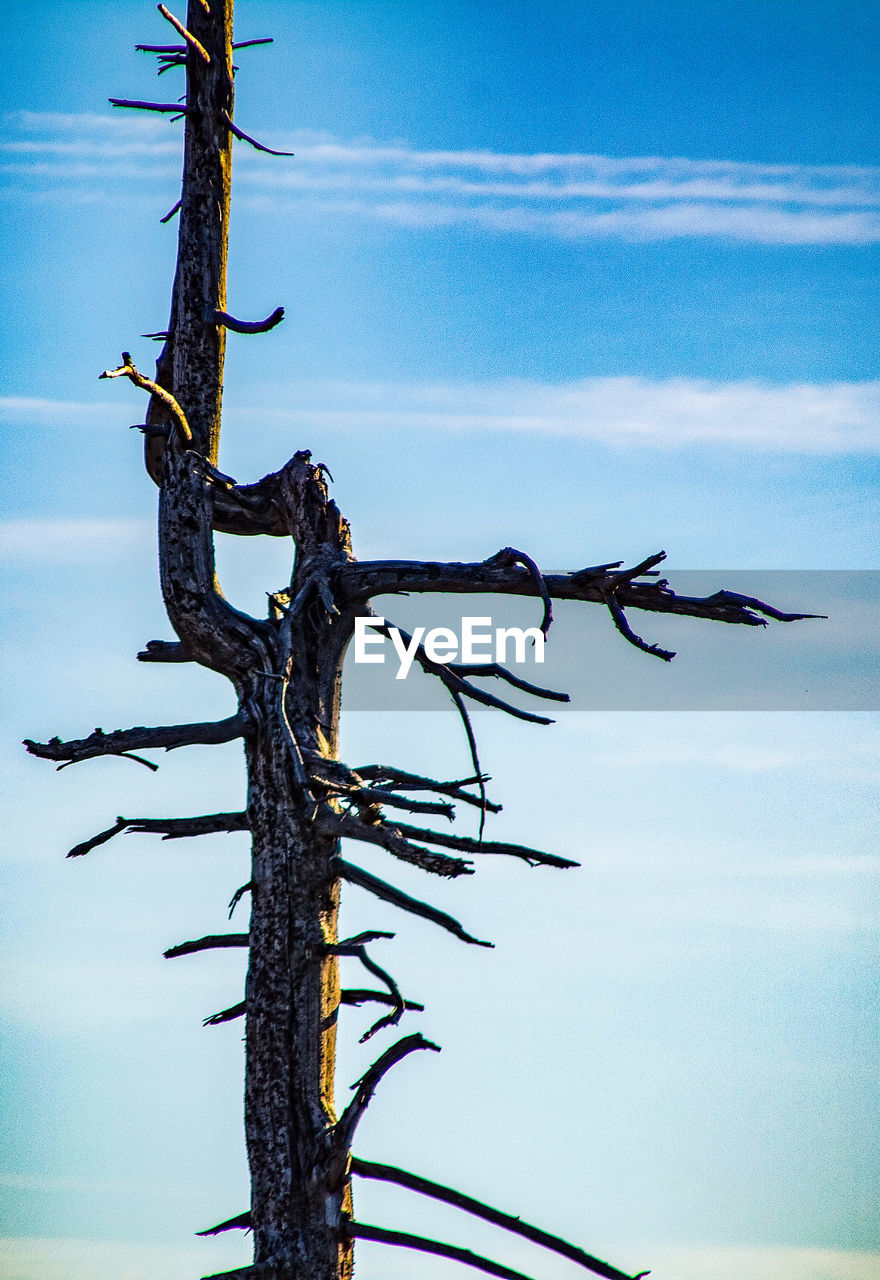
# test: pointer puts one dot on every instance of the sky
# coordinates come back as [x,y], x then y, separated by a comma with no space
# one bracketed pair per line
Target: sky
[588,279]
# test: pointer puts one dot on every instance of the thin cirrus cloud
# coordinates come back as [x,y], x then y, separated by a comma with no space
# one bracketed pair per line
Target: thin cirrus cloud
[568,197]
[804,418]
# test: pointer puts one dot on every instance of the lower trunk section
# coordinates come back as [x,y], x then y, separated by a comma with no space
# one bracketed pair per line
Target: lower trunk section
[292,1003]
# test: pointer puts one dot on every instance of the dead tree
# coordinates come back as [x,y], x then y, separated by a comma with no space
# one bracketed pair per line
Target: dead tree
[286,670]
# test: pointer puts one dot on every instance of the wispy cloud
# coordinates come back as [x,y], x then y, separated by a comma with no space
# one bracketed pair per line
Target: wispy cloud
[70,539]
[568,196]
[812,418]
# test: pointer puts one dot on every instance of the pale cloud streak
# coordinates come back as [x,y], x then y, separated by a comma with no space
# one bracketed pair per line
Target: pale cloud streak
[806,418]
[563,196]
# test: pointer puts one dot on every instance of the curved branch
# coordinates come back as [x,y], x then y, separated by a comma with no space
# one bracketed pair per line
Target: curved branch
[356,947]
[397,898]
[246,137]
[363,1231]
[122,741]
[389,1173]
[365,1087]
[509,556]
[358,997]
[128,370]
[502,673]
[248,326]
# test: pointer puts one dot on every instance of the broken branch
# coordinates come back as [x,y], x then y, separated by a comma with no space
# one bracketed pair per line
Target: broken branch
[356,947]
[241,1223]
[210,943]
[225,1015]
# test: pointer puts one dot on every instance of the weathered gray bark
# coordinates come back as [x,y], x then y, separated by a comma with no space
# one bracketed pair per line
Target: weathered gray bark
[286,670]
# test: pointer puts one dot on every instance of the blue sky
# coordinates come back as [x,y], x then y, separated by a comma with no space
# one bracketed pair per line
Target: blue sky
[584,278]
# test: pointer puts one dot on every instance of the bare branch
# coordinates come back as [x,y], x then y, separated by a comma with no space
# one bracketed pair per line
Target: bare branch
[389,1173]
[397,898]
[358,997]
[510,555]
[620,622]
[363,1231]
[161,48]
[404,781]
[175,208]
[241,1223]
[347,826]
[168,828]
[165,651]
[254,1271]
[238,895]
[248,326]
[122,741]
[357,947]
[173,108]
[248,44]
[344,1129]
[362,580]
[534,857]
[246,137]
[456,685]
[128,370]
[502,673]
[225,1015]
[181,30]
[212,942]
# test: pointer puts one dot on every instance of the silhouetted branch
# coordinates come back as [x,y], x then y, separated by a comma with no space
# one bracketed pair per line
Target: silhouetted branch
[509,556]
[358,997]
[212,942]
[246,137]
[362,580]
[173,108]
[349,826]
[241,1223]
[534,857]
[248,326]
[165,651]
[225,1015]
[357,947]
[366,1086]
[403,781]
[388,1173]
[363,1231]
[620,622]
[495,669]
[122,741]
[397,898]
[175,208]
